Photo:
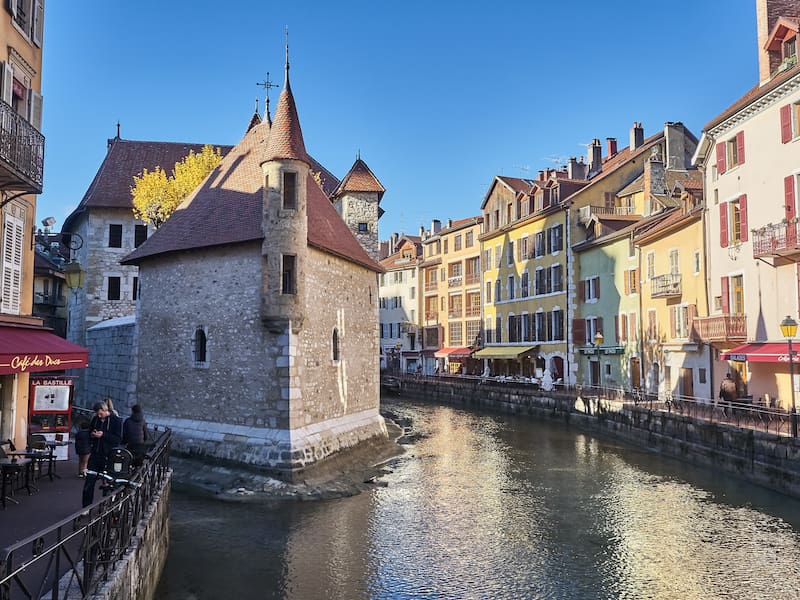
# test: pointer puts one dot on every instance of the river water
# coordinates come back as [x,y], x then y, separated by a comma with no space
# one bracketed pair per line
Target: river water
[490,506]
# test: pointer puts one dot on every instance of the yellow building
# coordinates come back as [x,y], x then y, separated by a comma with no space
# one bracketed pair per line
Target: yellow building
[25,347]
[451,284]
[524,253]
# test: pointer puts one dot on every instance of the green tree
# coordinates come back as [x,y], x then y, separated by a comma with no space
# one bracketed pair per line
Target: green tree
[156,195]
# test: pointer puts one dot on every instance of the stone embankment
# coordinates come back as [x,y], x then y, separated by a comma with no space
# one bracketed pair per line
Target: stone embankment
[763,458]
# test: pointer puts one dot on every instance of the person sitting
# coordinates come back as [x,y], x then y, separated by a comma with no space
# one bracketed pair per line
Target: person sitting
[134,434]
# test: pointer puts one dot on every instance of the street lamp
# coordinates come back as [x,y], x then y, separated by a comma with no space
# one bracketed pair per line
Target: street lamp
[598,339]
[789,329]
[74,275]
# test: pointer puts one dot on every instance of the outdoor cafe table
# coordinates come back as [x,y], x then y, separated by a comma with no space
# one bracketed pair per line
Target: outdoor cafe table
[8,467]
[51,446]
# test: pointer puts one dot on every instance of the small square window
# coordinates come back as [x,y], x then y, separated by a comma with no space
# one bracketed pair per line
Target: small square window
[363,228]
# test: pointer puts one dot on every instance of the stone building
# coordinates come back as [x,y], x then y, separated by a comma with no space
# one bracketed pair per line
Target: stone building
[258,312]
[357,199]
[102,230]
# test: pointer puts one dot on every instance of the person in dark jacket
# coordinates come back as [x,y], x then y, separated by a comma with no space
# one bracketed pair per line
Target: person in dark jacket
[134,433]
[105,430]
[83,447]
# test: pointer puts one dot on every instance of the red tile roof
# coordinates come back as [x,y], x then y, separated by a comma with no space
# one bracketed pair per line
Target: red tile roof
[227,209]
[286,139]
[360,179]
[516,184]
[111,186]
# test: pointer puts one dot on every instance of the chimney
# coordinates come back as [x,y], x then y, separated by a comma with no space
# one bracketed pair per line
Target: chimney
[436,226]
[595,156]
[612,146]
[767,13]
[675,135]
[449,222]
[393,242]
[421,231]
[541,175]
[637,136]
[654,183]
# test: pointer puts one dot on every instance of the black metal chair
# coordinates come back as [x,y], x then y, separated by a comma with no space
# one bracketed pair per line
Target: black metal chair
[38,443]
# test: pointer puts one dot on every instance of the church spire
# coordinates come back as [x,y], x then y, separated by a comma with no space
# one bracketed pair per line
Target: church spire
[286,136]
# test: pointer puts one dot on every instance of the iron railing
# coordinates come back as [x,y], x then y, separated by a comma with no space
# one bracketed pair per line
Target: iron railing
[74,557]
[663,286]
[22,149]
[776,240]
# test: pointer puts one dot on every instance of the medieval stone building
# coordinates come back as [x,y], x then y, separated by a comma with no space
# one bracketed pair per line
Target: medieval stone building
[258,312]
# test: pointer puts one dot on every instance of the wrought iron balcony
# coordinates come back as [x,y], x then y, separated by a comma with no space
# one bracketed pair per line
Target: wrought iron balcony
[21,153]
[454,281]
[776,240]
[721,328]
[431,286]
[473,311]
[664,286]
[472,279]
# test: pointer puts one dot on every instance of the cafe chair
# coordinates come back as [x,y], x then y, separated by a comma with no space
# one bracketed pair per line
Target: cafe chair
[37,441]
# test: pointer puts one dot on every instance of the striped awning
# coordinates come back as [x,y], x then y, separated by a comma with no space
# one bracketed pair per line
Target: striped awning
[505,351]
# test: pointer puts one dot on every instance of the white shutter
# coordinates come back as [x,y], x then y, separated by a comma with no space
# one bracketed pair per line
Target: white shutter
[13,242]
[8,83]
[38,22]
[36,110]
[12,7]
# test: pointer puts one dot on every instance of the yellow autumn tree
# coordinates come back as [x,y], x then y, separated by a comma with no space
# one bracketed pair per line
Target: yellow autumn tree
[156,195]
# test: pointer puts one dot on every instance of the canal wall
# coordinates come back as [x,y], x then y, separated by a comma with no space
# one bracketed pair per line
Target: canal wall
[137,574]
[766,459]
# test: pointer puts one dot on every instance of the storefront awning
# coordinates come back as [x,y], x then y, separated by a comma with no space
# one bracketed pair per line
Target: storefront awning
[504,351]
[775,352]
[453,353]
[27,350]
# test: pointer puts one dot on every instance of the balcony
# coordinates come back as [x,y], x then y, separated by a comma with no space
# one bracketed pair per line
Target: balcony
[49,300]
[473,311]
[585,213]
[779,240]
[664,286]
[21,153]
[721,328]
[431,286]
[454,313]
[431,316]
[472,279]
[454,281]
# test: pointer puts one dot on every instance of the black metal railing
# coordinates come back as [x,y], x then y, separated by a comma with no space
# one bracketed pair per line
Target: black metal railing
[73,558]
[22,149]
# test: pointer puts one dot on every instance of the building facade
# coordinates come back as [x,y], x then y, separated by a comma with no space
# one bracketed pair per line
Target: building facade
[271,319]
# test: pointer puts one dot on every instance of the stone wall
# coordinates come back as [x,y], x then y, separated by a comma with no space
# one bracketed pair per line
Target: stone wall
[234,407]
[762,458]
[361,207]
[112,364]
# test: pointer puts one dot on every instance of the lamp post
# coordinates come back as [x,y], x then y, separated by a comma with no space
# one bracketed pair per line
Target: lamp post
[789,329]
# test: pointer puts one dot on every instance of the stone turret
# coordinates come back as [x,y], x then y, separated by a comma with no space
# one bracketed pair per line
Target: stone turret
[285,219]
[357,200]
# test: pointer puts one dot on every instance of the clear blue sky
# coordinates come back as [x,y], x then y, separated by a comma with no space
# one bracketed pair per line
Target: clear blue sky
[438,96]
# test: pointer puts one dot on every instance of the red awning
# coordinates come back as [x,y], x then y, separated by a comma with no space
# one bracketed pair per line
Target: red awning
[453,353]
[777,352]
[24,350]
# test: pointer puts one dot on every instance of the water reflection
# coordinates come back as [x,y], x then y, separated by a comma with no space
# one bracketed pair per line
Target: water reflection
[498,507]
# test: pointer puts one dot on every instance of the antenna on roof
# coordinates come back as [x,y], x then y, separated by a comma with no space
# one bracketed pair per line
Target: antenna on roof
[117,128]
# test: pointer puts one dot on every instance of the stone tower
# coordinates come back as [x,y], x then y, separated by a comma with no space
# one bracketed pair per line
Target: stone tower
[357,200]
[285,219]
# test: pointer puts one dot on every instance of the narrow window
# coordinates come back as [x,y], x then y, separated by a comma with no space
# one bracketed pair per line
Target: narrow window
[113,288]
[139,235]
[335,344]
[290,190]
[288,274]
[199,345]
[115,236]
[135,288]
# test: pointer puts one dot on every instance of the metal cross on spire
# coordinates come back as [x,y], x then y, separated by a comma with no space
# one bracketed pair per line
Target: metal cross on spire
[266,84]
[287,52]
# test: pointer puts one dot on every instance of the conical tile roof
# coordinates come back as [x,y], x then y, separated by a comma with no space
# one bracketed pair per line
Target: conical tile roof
[360,179]
[286,137]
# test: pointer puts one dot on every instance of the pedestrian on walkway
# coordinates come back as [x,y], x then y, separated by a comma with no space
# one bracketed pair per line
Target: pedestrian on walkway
[105,430]
[134,434]
[83,447]
[727,393]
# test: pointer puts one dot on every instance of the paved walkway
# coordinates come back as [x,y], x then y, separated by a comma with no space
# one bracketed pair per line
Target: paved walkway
[54,501]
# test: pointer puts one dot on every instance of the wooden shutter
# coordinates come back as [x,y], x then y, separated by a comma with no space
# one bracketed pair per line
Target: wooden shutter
[786,123]
[740,147]
[36,110]
[632,329]
[578,331]
[617,331]
[721,158]
[626,276]
[673,328]
[38,22]
[723,224]
[743,230]
[597,290]
[692,313]
[725,293]
[11,262]
[8,83]
[623,325]
[788,196]
[581,288]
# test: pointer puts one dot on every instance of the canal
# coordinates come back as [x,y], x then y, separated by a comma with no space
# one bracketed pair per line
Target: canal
[491,506]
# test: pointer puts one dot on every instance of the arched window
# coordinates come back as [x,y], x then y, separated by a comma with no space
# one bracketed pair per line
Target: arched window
[335,344]
[199,346]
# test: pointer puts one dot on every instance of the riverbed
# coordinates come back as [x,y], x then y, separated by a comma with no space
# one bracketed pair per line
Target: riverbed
[496,506]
